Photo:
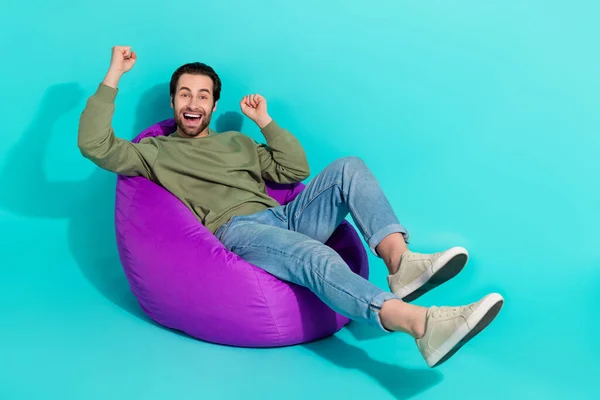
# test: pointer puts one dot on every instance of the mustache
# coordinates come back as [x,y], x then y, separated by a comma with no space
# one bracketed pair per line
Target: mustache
[190,111]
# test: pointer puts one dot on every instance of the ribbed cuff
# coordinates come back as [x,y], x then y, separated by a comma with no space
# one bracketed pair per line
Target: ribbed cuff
[106,93]
[271,131]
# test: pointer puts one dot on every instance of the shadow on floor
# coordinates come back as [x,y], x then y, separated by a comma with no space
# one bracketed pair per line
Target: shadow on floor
[402,383]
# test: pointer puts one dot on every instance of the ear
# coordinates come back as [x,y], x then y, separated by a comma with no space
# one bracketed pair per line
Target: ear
[172,106]
[215,106]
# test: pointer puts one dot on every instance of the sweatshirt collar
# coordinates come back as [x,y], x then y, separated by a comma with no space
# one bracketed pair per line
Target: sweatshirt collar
[211,132]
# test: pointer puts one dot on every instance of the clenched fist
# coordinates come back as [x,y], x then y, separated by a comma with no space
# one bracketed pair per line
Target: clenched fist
[254,106]
[121,61]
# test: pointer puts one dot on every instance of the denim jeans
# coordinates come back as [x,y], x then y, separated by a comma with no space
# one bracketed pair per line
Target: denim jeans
[288,241]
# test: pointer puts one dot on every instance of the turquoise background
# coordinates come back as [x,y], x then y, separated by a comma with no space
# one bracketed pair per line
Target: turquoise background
[480,118]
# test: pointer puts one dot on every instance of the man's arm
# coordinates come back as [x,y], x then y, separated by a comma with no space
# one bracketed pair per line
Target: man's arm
[282,159]
[96,139]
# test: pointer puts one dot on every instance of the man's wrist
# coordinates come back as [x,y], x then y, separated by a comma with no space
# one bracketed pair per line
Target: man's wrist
[263,121]
[112,78]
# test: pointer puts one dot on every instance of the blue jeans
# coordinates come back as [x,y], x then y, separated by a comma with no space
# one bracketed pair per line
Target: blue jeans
[288,241]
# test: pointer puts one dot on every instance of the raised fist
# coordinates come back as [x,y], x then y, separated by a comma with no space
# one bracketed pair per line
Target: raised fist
[254,106]
[122,59]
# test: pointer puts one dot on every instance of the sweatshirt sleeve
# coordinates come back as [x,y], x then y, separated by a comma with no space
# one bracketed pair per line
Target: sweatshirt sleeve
[282,159]
[98,143]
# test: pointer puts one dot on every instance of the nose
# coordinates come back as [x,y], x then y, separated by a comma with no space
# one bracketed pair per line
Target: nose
[194,103]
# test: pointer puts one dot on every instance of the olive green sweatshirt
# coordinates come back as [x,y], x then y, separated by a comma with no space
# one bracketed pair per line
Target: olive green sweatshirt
[217,176]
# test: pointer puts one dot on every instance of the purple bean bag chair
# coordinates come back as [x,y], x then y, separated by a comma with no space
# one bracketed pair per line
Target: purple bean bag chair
[186,280]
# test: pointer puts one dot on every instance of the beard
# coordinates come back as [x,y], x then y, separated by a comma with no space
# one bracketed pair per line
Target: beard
[195,129]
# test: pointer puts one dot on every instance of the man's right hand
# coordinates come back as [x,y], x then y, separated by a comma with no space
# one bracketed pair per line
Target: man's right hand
[122,60]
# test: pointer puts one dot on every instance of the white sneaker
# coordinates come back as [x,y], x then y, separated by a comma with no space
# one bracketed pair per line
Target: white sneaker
[419,273]
[447,329]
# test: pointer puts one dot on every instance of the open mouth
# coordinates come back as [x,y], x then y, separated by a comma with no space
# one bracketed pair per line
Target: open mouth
[192,118]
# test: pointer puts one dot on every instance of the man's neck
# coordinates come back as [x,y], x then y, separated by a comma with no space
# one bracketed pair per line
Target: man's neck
[182,134]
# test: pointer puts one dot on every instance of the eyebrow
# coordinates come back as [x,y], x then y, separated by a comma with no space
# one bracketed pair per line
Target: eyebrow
[187,88]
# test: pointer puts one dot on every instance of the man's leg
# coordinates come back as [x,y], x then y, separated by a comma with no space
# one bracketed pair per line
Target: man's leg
[264,240]
[347,186]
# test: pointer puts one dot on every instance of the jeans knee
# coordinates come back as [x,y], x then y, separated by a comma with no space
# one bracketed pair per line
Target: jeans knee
[351,163]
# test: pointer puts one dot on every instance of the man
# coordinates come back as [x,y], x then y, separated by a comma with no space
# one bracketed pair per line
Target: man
[220,177]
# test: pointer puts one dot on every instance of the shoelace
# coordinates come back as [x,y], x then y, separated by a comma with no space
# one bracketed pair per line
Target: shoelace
[447,312]
[412,256]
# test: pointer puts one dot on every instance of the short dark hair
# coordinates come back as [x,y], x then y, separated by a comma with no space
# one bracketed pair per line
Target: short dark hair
[197,68]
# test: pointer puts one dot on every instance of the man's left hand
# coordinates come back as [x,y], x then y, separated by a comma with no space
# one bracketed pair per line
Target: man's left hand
[254,106]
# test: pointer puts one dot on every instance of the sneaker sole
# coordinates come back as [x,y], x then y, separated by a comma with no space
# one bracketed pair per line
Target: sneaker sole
[485,313]
[443,269]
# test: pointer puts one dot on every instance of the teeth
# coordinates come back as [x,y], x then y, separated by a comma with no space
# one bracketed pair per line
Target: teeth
[192,115]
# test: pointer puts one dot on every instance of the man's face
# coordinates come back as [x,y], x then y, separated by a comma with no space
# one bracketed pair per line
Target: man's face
[193,105]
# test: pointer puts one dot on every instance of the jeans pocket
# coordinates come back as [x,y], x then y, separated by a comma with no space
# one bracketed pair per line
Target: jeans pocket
[220,233]
[279,212]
